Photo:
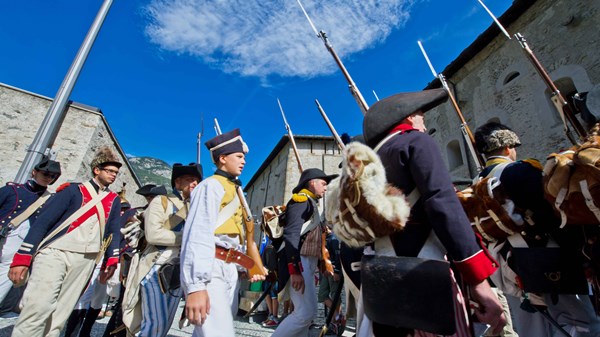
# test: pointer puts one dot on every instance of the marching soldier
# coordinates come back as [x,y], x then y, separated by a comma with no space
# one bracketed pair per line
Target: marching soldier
[213,238]
[18,206]
[149,282]
[301,251]
[67,240]
[521,180]
[115,326]
[413,162]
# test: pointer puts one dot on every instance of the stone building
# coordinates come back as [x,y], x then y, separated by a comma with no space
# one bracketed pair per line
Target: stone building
[83,130]
[494,80]
[274,180]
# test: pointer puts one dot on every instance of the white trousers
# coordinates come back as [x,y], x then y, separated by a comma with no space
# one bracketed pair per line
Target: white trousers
[10,245]
[222,293]
[305,305]
[57,280]
[574,313]
[95,293]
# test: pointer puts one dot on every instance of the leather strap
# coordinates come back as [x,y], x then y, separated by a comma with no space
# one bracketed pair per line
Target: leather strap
[234,256]
[17,221]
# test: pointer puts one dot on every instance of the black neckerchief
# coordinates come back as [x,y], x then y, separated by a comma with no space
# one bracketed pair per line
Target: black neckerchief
[229,177]
[34,187]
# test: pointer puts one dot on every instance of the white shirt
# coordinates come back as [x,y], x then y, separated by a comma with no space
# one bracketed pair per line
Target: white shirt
[199,240]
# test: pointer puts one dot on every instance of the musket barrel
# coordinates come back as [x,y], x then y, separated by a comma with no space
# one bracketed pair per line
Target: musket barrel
[291,136]
[336,136]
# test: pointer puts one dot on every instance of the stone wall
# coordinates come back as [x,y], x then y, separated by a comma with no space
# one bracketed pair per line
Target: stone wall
[83,131]
[499,83]
[273,185]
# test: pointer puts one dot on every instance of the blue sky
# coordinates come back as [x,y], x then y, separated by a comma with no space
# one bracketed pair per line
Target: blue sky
[157,65]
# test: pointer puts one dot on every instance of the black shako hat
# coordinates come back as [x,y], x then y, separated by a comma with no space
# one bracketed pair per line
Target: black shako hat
[50,166]
[151,189]
[180,170]
[226,143]
[310,174]
[388,112]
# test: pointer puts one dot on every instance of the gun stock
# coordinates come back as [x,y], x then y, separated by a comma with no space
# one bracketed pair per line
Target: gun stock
[251,249]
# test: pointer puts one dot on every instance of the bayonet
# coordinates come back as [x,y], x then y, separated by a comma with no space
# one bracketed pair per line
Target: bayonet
[358,97]
[217,127]
[464,127]
[495,19]
[559,102]
[291,136]
[336,136]
[375,94]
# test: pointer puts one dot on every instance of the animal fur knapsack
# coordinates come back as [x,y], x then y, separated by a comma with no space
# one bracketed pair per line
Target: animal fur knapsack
[488,208]
[572,182]
[360,203]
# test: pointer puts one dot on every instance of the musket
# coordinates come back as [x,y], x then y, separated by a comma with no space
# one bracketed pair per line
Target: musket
[464,128]
[559,102]
[291,136]
[360,100]
[336,136]
[251,249]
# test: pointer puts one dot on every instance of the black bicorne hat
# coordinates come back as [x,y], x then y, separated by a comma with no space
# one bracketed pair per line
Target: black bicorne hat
[389,112]
[310,174]
[226,143]
[151,189]
[50,166]
[179,170]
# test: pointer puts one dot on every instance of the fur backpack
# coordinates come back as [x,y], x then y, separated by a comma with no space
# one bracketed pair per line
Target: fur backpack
[360,203]
[572,182]
[488,208]
[273,221]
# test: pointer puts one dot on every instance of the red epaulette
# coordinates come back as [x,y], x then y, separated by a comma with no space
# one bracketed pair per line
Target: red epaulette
[62,187]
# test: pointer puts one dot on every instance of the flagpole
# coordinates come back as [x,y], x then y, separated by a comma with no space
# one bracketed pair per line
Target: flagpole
[48,130]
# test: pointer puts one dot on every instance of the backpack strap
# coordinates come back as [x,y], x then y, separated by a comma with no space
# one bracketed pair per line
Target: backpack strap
[98,198]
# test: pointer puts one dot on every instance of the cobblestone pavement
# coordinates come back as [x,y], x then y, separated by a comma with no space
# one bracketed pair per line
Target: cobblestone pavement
[243,326]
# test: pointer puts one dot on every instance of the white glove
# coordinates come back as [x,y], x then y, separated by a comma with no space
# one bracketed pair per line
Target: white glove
[132,233]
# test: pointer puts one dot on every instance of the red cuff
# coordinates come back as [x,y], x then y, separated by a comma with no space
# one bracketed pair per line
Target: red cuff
[477,267]
[293,269]
[112,261]
[21,260]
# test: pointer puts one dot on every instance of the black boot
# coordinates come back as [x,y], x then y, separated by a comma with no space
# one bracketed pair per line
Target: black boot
[88,322]
[74,323]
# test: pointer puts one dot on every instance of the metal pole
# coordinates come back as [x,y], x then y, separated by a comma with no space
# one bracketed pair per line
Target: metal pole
[46,134]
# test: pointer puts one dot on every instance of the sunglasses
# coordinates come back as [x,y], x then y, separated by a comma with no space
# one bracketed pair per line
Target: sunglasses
[50,175]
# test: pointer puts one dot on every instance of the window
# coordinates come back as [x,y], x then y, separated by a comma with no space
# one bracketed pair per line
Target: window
[510,77]
[454,154]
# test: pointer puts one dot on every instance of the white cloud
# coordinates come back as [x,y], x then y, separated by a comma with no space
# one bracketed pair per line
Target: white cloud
[262,38]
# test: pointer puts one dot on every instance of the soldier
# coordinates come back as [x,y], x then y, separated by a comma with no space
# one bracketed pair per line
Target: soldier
[67,240]
[302,250]
[413,162]
[163,224]
[115,326]
[521,180]
[19,202]
[211,250]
